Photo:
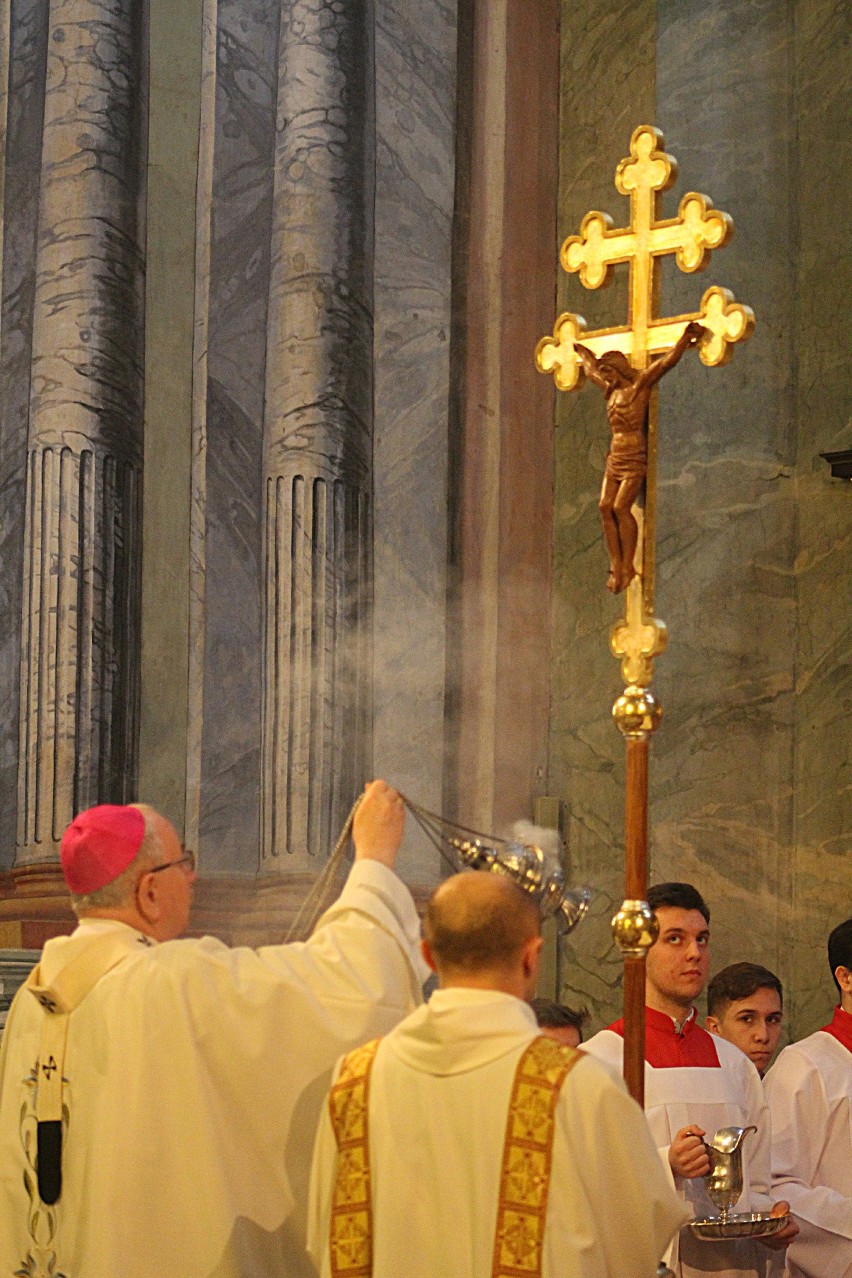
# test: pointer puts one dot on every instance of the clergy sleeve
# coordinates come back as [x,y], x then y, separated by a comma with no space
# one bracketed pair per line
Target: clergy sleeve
[374,903]
[382,896]
[801,1125]
[632,1207]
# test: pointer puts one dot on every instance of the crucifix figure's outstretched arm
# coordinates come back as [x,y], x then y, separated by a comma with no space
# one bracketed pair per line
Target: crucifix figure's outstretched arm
[590,366]
[690,336]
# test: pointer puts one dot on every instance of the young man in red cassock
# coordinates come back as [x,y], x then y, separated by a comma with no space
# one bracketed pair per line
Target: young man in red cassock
[696,1083]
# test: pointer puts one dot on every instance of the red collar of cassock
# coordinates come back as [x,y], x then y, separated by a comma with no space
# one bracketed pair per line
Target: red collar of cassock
[840,1028]
[665,1048]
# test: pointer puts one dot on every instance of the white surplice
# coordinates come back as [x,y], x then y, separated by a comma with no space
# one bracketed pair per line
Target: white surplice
[194,1075]
[728,1095]
[809,1089]
[439,1098]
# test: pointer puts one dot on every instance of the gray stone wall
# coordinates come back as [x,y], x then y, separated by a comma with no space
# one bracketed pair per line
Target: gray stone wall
[726,527]
[753,570]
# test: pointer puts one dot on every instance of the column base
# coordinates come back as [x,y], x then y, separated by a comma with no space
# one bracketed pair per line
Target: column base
[34,906]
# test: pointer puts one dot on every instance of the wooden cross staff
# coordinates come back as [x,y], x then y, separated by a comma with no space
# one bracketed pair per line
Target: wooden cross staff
[620,361]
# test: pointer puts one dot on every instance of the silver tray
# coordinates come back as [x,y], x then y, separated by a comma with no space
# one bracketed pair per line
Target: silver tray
[749,1225]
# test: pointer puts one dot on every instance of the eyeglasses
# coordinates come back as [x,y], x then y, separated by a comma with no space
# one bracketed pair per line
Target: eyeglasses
[188,859]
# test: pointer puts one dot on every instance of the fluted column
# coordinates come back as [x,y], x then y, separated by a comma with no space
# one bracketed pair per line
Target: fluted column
[80,630]
[318,431]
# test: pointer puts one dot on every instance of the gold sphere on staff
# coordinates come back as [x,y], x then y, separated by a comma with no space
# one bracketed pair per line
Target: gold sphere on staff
[635,928]
[637,712]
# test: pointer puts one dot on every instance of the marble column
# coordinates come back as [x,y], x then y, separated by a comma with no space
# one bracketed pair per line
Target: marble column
[25,47]
[317,448]
[80,633]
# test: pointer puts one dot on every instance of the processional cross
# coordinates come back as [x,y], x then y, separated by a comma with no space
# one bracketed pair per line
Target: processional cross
[568,354]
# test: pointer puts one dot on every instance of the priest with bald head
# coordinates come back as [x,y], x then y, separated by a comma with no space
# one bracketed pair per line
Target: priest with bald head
[466,1143]
[159,1097]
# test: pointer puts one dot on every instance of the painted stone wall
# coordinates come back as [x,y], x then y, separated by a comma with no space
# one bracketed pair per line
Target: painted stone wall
[753,569]
[416,50]
[296,339]
[408,160]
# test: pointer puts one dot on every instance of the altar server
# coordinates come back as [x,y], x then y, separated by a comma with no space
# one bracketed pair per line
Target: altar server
[560,1022]
[809,1089]
[159,1097]
[696,1083]
[745,1005]
[466,1145]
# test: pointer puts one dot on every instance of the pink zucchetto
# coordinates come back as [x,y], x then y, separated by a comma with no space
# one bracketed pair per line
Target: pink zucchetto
[99,844]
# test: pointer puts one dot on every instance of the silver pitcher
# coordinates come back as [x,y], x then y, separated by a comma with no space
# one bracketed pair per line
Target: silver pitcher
[725,1180]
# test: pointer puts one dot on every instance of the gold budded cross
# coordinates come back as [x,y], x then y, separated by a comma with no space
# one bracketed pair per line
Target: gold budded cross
[691,236]
[626,362]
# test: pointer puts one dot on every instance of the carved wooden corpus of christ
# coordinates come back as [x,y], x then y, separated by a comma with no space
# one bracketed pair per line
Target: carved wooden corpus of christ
[628,395]
[622,362]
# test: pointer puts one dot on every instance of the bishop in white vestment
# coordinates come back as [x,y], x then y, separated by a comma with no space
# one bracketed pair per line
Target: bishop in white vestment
[193,1073]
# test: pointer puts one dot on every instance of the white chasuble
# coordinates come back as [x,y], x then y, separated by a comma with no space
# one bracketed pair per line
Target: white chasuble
[193,1079]
[809,1089]
[439,1095]
[725,1094]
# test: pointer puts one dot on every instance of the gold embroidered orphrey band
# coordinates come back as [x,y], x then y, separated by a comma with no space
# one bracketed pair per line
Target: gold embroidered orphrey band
[524,1178]
[351,1237]
[527,1158]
